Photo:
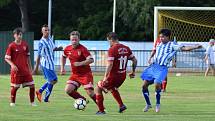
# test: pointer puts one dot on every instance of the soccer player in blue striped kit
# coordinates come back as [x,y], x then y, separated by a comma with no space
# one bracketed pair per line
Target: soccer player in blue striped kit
[158,70]
[45,57]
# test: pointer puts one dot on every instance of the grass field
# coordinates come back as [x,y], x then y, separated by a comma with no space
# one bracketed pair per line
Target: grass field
[188,98]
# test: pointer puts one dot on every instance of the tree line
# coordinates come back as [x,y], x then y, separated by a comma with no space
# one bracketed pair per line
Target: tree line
[93,18]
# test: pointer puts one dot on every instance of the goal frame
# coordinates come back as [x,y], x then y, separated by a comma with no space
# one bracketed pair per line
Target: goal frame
[157,8]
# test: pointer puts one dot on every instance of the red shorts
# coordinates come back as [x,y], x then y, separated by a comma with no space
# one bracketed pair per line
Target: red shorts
[113,82]
[86,80]
[17,81]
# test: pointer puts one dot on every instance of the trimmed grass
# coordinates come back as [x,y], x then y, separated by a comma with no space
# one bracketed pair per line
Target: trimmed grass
[188,98]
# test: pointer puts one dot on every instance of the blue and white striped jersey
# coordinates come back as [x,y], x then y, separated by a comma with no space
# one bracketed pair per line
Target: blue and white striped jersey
[46,52]
[165,52]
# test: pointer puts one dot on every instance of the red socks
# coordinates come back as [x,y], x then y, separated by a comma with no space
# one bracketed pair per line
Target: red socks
[94,98]
[32,94]
[117,97]
[76,95]
[99,102]
[164,83]
[13,94]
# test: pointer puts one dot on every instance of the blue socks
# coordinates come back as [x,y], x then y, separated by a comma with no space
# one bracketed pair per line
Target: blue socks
[146,96]
[158,96]
[48,92]
[48,87]
[43,87]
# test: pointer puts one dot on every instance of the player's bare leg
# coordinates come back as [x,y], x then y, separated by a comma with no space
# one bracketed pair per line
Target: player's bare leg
[70,89]
[90,92]
[207,71]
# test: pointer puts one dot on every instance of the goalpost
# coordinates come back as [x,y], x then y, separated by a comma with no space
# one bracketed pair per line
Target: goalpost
[187,23]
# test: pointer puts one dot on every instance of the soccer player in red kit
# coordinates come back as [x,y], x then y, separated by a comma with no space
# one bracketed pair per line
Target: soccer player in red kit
[81,74]
[115,75]
[18,57]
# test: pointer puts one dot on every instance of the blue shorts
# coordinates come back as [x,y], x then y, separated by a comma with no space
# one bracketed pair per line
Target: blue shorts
[49,75]
[155,73]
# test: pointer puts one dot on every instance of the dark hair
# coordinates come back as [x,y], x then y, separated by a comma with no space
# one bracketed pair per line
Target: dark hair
[112,36]
[75,33]
[17,30]
[44,25]
[165,32]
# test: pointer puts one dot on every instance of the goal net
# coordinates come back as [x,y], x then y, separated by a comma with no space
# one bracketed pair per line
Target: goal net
[187,23]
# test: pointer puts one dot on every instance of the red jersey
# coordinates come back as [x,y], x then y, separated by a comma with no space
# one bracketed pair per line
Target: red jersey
[18,54]
[78,54]
[119,54]
[157,42]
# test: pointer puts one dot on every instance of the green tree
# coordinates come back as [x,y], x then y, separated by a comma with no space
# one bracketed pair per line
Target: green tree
[23,6]
[4,2]
[91,17]
[137,17]
[96,20]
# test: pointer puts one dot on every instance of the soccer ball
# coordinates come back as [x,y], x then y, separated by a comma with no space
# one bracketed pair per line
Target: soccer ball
[80,104]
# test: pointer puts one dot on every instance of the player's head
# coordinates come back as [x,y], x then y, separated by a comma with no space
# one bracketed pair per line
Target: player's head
[164,35]
[211,42]
[74,37]
[17,33]
[112,37]
[45,30]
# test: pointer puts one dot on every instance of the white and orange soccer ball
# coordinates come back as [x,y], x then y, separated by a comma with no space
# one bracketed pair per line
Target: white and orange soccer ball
[80,104]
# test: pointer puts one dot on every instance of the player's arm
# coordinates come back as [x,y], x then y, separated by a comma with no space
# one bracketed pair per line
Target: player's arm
[29,63]
[88,61]
[40,49]
[8,59]
[29,59]
[151,56]
[62,65]
[108,69]
[13,66]
[60,48]
[174,62]
[110,60]
[207,54]
[153,50]
[87,55]
[134,65]
[35,71]
[206,57]
[188,48]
